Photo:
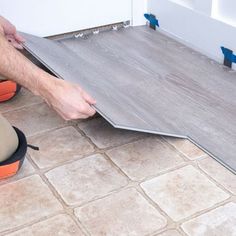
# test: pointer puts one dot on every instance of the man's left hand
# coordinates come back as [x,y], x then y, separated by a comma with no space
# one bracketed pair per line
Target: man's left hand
[10,33]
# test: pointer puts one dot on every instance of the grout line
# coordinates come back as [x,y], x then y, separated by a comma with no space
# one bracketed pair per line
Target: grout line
[155,205]
[186,156]
[59,164]
[45,170]
[21,107]
[229,199]
[219,185]
[115,146]
[79,223]
[205,211]
[116,167]
[12,179]
[66,208]
[99,151]
[137,185]
[181,231]
[23,226]
[196,164]
[69,210]
[47,130]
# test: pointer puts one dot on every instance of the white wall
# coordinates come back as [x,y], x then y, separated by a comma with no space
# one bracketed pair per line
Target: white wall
[203,24]
[225,10]
[194,27]
[139,7]
[50,17]
[203,6]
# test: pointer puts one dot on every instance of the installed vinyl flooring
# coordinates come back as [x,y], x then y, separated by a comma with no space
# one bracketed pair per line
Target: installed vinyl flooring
[143,80]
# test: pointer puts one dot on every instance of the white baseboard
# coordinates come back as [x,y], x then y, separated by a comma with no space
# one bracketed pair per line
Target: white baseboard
[193,28]
[46,18]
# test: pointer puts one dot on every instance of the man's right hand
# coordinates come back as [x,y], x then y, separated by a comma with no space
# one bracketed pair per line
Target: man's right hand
[69,100]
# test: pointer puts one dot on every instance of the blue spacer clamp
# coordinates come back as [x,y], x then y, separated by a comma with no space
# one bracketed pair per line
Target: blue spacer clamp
[229,54]
[152,19]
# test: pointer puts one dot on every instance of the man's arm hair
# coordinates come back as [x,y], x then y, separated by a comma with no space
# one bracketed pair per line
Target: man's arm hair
[16,67]
[69,100]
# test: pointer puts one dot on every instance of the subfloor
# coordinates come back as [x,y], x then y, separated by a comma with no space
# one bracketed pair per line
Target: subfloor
[91,179]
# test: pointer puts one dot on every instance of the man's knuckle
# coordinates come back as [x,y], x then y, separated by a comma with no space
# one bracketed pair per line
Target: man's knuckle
[83,109]
[74,116]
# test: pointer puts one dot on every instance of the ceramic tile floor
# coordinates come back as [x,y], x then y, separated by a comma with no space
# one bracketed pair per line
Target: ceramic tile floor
[91,179]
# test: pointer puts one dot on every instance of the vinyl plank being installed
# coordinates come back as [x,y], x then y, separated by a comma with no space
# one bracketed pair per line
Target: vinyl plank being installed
[145,81]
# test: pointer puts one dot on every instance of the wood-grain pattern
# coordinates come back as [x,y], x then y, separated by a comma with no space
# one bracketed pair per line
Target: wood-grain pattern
[145,81]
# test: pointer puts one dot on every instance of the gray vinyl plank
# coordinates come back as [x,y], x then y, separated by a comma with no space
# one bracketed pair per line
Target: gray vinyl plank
[145,81]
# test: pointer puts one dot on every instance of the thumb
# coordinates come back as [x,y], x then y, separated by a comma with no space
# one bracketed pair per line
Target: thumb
[88,98]
[19,38]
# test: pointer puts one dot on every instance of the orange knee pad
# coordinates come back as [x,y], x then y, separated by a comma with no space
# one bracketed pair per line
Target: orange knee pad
[8,90]
[13,164]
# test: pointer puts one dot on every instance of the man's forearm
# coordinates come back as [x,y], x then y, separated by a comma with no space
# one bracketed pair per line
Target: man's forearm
[69,100]
[16,67]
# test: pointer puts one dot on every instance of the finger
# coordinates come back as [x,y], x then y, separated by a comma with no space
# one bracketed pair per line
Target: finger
[19,38]
[88,98]
[71,116]
[87,110]
[13,42]
[81,116]
[64,117]
[16,45]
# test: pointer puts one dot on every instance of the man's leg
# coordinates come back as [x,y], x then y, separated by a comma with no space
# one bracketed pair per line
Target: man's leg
[8,139]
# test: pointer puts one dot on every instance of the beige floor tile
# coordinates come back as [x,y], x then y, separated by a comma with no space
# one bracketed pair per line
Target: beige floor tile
[219,173]
[187,148]
[34,119]
[59,146]
[24,98]
[58,225]
[86,179]
[145,157]
[183,192]
[104,135]
[170,233]
[24,201]
[121,214]
[218,222]
[26,169]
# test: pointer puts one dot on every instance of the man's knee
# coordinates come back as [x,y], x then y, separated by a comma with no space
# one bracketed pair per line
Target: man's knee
[8,139]
[8,89]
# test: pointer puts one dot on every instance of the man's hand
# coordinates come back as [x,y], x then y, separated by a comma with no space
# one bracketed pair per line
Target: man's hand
[67,99]
[10,33]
